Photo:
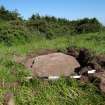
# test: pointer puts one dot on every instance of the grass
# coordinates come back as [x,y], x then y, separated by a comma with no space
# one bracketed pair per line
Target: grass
[38,92]
[61,92]
[93,41]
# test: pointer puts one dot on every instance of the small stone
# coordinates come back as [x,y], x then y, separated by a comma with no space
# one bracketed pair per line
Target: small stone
[9,99]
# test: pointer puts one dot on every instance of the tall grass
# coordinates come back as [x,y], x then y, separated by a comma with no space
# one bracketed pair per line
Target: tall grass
[91,41]
[60,92]
[38,92]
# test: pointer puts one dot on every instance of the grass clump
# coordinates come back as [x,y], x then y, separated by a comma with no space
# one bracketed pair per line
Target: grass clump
[60,92]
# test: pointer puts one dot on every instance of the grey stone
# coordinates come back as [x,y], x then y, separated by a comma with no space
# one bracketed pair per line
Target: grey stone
[54,64]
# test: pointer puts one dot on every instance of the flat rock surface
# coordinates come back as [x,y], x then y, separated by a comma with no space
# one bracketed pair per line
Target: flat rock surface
[54,64]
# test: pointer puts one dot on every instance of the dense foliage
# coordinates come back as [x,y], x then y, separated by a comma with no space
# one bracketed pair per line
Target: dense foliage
[12,26]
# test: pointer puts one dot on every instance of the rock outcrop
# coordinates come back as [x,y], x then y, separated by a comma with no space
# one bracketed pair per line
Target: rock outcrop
[54,64]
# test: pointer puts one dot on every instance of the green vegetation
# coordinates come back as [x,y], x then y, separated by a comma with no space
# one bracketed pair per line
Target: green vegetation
[13,28]
[21,37]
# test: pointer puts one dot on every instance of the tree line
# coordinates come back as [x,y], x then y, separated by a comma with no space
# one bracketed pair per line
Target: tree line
[49,26]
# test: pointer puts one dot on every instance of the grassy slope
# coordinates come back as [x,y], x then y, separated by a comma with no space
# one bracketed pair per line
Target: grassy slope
[93,41]
[62,92]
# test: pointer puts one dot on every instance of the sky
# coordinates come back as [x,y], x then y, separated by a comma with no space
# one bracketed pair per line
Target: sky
[70,9]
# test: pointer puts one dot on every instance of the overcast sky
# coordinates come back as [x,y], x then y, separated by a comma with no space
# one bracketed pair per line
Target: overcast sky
[70,9]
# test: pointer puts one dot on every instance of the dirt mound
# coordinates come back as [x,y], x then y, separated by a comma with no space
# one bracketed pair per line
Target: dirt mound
[84,57]
[73,51]
[88,61]
[99,80]
[101,60]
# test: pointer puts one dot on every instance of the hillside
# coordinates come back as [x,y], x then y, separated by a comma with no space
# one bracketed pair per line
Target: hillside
[21,38]
[13,27]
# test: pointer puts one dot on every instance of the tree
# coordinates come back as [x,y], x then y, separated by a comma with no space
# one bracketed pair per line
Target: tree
[9,15]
